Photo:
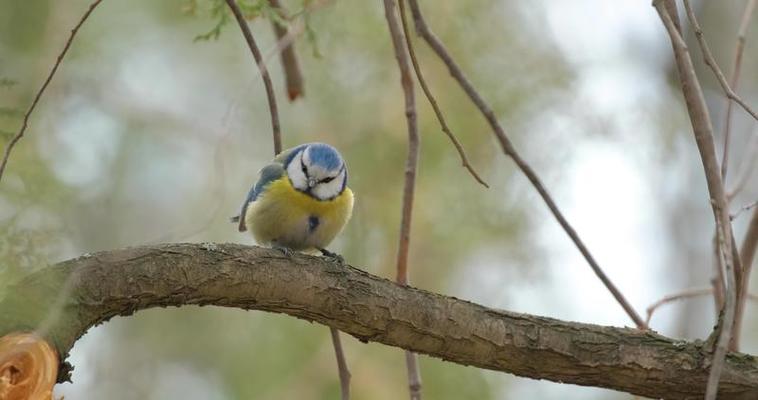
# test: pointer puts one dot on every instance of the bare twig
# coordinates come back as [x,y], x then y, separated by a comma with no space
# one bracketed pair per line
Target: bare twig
[292,73]
[703,132]
[684,294]
[673,12]
[510,151]
[718,282]
[344,373]
[746,207]
[25,123]
[264,73]
[411,164]
[432,100]
[711,62]
[733,80]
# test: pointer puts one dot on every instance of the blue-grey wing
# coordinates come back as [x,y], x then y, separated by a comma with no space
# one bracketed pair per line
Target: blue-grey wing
[267,175]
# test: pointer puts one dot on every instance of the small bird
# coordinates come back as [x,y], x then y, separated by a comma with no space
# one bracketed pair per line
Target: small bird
[301,200]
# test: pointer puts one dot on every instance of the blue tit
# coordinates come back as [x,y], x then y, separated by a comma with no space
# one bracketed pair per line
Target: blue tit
[301,200]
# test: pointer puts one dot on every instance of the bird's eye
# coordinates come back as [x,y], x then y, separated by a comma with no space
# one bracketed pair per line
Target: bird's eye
[327,180]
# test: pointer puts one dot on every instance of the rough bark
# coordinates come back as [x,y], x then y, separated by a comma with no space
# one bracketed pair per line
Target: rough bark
[99,286]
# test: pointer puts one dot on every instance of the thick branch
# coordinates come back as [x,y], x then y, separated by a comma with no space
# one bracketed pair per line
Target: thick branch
[120,282]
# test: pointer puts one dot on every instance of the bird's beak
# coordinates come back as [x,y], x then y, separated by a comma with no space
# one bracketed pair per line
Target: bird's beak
[311,182]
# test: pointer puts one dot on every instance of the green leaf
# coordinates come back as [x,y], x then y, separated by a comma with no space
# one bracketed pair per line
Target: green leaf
[215,32]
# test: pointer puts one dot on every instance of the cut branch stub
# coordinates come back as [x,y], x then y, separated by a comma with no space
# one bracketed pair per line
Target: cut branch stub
[28,367]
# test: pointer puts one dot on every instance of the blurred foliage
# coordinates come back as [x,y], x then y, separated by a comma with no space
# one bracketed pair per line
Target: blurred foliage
[6,82]
[156,124]
[251,9]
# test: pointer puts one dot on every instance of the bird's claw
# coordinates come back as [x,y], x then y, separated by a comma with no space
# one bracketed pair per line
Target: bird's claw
[333,256]
[285,250]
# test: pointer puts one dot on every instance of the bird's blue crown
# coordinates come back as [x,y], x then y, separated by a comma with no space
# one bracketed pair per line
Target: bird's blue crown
[325,156]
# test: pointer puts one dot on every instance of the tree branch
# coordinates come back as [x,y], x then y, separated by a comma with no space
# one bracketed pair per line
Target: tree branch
[293,77]
[121,282]
[432,101]
[273,110]
[703,131]
[411,165]
[711,62]
[25,123]
[510,151]
[684,294]
[733,80]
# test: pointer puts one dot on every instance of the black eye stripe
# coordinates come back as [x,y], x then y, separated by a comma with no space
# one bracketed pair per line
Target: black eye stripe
[303,167]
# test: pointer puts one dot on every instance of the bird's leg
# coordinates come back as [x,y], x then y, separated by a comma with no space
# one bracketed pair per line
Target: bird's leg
[334,256]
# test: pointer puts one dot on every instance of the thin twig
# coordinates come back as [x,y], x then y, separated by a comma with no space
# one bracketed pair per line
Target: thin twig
[746,207]
[684,294]
[718,281]
[432,100]
[673,12]
[703,132]
[25,123]
[344,373]
[411,164]
[510,151]
[711,62]
[733,80]
[264,73]
[293,76]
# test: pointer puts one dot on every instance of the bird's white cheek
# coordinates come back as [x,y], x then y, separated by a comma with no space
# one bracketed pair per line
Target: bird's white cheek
[331,189]
[296,175]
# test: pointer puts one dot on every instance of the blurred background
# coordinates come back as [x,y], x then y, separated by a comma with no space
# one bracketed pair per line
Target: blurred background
[147,135]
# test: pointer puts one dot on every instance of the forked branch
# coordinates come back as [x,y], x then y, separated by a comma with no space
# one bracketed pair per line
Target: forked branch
[703,131]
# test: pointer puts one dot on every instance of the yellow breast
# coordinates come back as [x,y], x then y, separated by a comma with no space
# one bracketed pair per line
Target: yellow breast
[284,216]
